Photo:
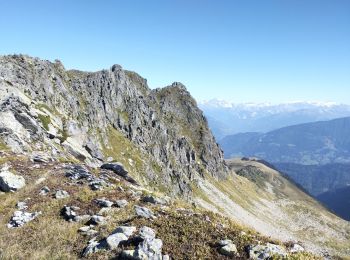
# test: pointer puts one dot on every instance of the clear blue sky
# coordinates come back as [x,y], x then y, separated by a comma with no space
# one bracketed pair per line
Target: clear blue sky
[243,51]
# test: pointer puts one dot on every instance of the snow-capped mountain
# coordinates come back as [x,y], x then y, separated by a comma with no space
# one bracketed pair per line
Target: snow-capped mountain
[226,118]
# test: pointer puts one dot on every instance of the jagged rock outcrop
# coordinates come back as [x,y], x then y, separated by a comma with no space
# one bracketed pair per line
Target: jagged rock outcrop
[72,113]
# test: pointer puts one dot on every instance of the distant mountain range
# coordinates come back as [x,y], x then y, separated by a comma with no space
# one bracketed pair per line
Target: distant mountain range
[314,143]
[227,118]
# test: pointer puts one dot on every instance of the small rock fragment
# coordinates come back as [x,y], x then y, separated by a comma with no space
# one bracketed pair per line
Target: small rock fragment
[121,203]
[68,213]
[144,212]
[296,248]
[104,203]
[44,191]
[228,250]
[22,205]
[97,220]
[155,200]
[147,233]
[41,158]
[61,194]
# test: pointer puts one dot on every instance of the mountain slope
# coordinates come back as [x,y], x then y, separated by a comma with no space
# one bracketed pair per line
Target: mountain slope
[58,127]
[312,143]
[265,200]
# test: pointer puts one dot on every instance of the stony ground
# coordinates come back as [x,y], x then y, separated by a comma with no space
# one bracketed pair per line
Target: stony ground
[79,210]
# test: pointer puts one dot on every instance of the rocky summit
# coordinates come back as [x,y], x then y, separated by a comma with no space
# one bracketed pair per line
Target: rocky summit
[110,115]
[97,165]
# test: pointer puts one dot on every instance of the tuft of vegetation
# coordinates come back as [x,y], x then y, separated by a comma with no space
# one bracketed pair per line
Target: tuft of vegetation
[3,146]
[45,120]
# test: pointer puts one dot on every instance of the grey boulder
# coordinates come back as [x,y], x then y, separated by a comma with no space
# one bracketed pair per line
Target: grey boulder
[11,182]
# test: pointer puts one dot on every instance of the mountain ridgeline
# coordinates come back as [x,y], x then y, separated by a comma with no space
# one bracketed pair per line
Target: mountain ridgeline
[89,116]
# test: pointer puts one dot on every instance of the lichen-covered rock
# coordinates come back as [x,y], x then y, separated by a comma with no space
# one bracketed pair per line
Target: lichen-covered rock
[21,205]
[21,217]
[10,182]
[266,251]
[94,247]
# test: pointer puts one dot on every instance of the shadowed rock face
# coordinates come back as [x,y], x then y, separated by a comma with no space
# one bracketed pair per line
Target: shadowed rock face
[72,113]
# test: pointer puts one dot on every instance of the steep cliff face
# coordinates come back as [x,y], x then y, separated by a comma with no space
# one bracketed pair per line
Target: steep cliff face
[161,135]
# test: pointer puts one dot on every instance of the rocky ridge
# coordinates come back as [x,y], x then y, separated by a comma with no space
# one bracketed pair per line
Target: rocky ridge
[80,114]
